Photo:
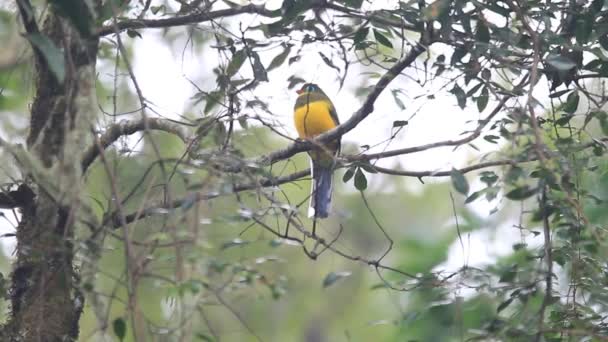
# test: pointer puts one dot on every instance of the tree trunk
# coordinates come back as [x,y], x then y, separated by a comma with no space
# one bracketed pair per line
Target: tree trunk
[46,302]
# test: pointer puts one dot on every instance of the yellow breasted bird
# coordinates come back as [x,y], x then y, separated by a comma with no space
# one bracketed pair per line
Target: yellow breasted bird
[315,114]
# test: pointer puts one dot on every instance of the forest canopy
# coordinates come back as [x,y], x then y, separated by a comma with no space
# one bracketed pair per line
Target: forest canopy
[155,189]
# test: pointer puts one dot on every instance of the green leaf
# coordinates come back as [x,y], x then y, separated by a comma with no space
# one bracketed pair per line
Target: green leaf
[461,97]
[204,337]
[234,243]
[571,103]
[213,99]
[504,305]
[482,99]
[474,89]
[584,27]
[564,120]
[332,277]
[440,64]
[459,182]
[483,33]
[243,121]
[602,117]
[508,274]
[488,177]
[474,196]
[360,37]
[494,7]
[400,123]
[521,193]
[491,193]
[51,53]
[381,39]
[328,61]
[486,74]
[236,63]
[368,167]
[593,65]
[360,180]
[156,9]
[436,9]
[559,93]
[597,5]
[398,101]
[259,72]
[109,7]
[519,245]
[294,81]
[458,54]
[292,8]
[491,138]
[514,174]
[604,41]
[133,33]
[348,174]
[279,59]
[120,328]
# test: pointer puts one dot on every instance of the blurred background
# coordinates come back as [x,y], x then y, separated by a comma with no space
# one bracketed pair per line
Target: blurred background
[209,271]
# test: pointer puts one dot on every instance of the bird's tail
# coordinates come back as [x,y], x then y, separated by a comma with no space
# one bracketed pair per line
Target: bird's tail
[320,198]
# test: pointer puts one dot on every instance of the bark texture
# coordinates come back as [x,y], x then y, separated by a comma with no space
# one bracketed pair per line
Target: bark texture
[46,302]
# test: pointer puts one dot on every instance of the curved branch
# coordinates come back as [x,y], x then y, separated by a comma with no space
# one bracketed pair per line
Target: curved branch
[364,111]
[198,196]
[199,17]
[420,174]
[476,133]
[195,197]
[115,131]
[249,9]
[274,181]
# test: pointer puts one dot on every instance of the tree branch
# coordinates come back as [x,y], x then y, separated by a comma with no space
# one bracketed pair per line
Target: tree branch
[420,174]
[266,182]
[200,17]
[117,222]
[115,131]
[366,109]
[476,133]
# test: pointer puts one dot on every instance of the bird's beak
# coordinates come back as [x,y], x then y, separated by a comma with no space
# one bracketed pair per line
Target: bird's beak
[299,91]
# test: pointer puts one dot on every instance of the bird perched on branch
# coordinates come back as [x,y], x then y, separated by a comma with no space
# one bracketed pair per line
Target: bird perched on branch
[315,114]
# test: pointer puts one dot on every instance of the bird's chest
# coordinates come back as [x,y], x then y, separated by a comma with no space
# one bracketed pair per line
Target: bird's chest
[313,119]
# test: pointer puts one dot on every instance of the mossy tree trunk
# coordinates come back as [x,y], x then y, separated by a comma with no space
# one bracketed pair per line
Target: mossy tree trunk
[46,303]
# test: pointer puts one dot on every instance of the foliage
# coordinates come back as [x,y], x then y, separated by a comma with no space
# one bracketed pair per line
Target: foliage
[193,227]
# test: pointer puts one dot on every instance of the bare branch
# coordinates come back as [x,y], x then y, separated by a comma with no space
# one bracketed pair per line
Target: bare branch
[115,131]
[196,197]
[420,174]
[115,219]
[366,109]
[452,142]
[185,20]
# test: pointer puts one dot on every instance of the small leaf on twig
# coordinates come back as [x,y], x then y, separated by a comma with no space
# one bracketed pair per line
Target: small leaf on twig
[332,277]
[360,180]
[459,182]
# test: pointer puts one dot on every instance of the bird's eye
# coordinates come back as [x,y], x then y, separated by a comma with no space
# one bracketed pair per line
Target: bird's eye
[311,87]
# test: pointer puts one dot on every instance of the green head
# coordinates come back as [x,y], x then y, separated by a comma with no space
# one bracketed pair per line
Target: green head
[310,88]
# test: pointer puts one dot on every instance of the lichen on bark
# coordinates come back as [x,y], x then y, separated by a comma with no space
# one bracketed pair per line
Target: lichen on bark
[46,301]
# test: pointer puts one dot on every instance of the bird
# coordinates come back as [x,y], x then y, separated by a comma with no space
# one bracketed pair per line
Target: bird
[314,114]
